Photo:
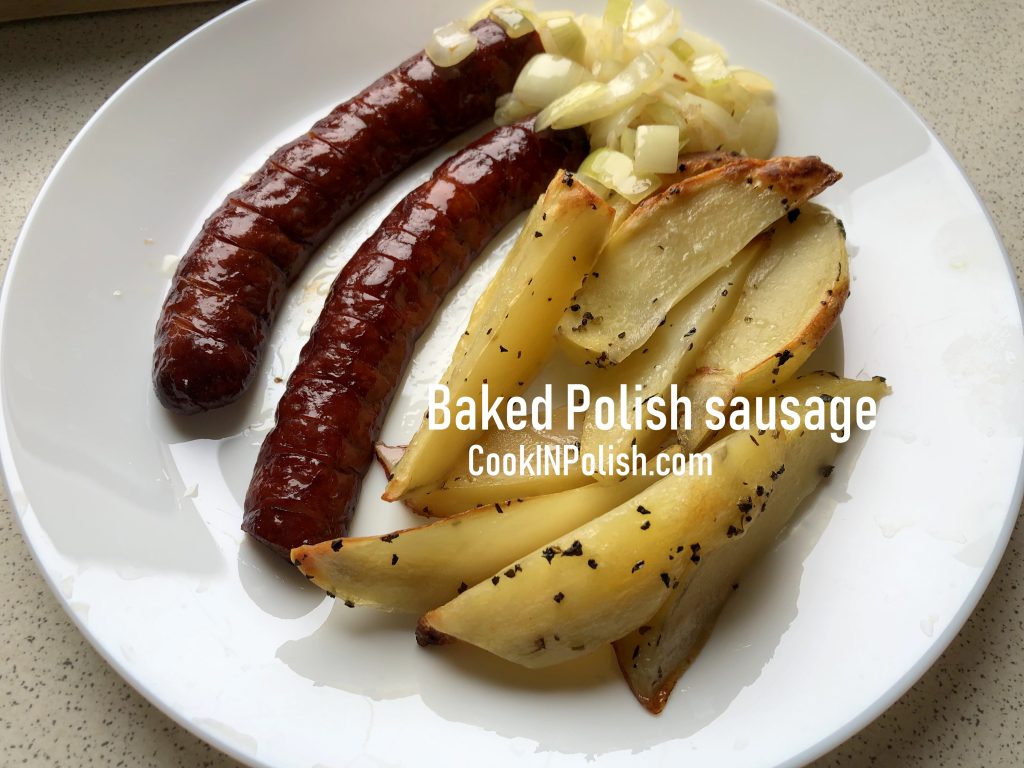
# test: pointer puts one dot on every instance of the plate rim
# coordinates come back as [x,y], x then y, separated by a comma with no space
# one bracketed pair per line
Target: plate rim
[20,504]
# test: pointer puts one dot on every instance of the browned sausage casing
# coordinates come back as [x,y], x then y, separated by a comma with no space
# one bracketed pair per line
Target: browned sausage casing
[211,333]
[311,464]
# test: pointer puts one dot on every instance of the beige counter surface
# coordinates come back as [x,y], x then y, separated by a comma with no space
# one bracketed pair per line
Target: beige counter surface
[958,63]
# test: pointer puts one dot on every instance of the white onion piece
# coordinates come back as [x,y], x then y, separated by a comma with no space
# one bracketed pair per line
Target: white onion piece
[615,171]
[701,45]
[710,70]
[759,129]
[607,132]
[657,149]
[547,77]
[567,35]
[450,44]
[590,101]
[512,20]
[752,82]
[510,109]
[627,142]
[653,23]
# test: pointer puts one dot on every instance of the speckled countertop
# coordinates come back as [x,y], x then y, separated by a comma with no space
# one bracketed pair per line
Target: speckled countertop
[958,63]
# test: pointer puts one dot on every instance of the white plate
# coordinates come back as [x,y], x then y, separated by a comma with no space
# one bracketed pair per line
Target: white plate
[133,515]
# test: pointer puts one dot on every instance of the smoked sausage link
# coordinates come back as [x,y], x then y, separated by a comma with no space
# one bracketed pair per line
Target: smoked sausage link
[213,327]
[311,464]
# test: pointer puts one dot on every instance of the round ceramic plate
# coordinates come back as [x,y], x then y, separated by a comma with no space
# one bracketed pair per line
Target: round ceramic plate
[133,515]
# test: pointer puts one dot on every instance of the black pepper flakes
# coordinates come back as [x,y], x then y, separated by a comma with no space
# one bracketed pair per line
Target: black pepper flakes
[639,564]
[559,597]
[462,588]
[666,580]
[549,554]
[394,559]
[573,551]
[643,510]
[389,537]
[349,604]
[759,490]
[336,544]
[495,580]
[826,471]
[502,348]
[646,525]
[538,234]
[592,563]
[793,215]
[745,505]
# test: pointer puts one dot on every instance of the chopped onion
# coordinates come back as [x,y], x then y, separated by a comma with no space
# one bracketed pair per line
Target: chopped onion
[657,149]
[547,77]
[710,70]
[590,101]
[682,49]
[568,37]
[701,45]
[615,171]
[616,12]
[628,142]
[653,23]
[636,81]
[451,44]
[509,109]
[512,20]
[752,82]
[759,130]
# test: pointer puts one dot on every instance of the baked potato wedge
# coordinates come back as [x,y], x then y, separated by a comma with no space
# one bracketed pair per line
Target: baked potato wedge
[791,299]
[668,357]
[421,568]
[511,331]
[654,656]
[578,592]
[674,241]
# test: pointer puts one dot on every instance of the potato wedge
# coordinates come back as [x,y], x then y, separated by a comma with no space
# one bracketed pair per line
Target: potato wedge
[577,593]
[674,241]
[462,491]
[421,568]
[510,334]
[791,299]
[668,357]
[655,655]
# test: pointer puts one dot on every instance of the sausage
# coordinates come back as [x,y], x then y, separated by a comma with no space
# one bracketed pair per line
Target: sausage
[213,327]
[311,464]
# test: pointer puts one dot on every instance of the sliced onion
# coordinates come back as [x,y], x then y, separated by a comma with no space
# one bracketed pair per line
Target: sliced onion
[607,131]
[615,171]
[510,109]
[752,82]
[657,149]
[512,20]
[547,77]
[628,142]
[701,45]
[616,12]
[653,23]
[450,44]
[710,70]
[759,129]
[484,11]
[568,37]
[682,49]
